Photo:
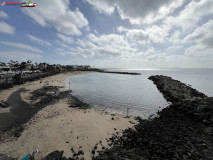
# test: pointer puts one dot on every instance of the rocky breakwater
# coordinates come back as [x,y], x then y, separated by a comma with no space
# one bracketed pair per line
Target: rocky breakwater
[130,73]
[186,99]
[181,131]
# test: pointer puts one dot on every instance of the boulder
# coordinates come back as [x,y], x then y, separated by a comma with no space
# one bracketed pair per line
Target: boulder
[80,152]
[187,101]
[93,151]
[55,155]
[208,100]
[209,130]
[201,108]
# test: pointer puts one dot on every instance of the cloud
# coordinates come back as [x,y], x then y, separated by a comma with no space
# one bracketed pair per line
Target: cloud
[137,11]
[119,49]
[180,35]
[152,33]
[18,55]
[6,28]
[40,41]
[21,46]
[64,38]
[138,36]
[111,45]
[3,14]
[59,16]
[158,34]
[199,51]
[193,12]
[201,40]
[202,35]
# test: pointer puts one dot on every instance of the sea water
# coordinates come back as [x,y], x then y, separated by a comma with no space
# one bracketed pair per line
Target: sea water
[115,93]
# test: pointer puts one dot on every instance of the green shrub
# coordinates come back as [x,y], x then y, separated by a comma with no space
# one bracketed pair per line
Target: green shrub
[17,77]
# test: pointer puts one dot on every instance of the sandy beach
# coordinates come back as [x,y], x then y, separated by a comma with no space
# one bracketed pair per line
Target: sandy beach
[60,127]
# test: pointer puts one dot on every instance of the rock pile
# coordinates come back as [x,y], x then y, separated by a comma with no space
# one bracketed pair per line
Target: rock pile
[74,102]
[185,98]
[130,73]
[58,155]
[47,95]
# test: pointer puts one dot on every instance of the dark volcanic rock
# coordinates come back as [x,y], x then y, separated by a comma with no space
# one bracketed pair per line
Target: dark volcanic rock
[76,103]
[58,155]
[55,155]
[93,151]
[183,130]
[80,152]
[131,73]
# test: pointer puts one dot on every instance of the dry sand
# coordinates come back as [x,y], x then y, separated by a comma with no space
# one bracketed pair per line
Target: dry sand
[58,127]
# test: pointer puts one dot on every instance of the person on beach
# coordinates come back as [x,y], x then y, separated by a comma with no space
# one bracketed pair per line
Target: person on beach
[31,156]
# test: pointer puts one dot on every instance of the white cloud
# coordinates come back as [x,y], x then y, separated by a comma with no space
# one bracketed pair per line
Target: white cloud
[158,34]
[137,11]
[202,35]
[6,28]
[56,13]
[121,29]
[64,45]
[193,12]
[111,45]
[175,49]
[21,46]
[201,40]
[18,55]
[64,38]
[138,36]
[175,37]
[163,43]
[119,49]
[163,60]
[200,51]
[40,41]
[3,14]
[153,33]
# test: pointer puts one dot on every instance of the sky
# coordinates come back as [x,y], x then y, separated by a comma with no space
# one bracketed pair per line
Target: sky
[109,33]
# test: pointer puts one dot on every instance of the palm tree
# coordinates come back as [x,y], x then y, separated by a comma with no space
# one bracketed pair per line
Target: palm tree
[22,66]
[14,65]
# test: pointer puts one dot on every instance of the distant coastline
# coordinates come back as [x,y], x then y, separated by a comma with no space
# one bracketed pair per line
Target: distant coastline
[131,73]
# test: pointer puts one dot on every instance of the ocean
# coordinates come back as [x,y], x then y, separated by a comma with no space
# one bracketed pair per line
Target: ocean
[114,93]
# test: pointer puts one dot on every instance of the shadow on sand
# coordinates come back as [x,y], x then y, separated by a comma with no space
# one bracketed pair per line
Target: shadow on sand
[20,111]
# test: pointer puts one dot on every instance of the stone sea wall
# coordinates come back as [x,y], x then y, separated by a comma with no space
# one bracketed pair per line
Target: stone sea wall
[185,98]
